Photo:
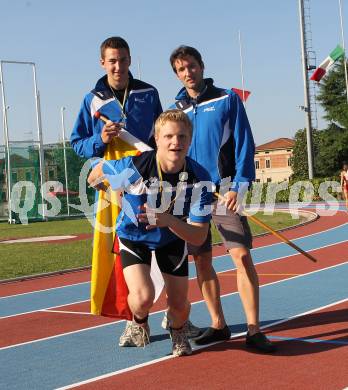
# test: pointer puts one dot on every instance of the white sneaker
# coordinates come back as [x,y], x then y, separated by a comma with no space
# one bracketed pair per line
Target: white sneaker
[135,335]
[181,344]
[192,331]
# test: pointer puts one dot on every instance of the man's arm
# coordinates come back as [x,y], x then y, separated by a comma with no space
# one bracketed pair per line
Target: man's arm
[86,135]
[157,107]
[193,232]
[90,136]
[244,151]
[119,174]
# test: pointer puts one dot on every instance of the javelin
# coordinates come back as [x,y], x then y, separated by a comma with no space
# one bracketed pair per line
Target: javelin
[277,234]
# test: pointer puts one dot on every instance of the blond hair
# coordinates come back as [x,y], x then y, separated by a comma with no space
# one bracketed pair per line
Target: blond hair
[173,116]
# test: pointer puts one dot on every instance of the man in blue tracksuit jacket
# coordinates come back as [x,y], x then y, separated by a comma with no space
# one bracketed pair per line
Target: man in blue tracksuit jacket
[223,144]
[127,102]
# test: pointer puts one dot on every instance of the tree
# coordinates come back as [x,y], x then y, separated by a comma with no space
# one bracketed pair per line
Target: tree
[299,159]
[74,165]
[332,150]
[332,96]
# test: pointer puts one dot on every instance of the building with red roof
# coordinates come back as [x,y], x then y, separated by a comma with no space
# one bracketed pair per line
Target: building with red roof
[273,160]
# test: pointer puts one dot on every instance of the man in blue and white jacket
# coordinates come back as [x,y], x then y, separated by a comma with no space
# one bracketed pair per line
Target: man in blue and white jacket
[223,144]
[127,103]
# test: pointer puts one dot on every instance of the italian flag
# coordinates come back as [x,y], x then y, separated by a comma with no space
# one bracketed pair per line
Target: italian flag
[320,72]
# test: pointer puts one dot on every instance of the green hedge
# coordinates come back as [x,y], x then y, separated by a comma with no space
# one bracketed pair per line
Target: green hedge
[263,192]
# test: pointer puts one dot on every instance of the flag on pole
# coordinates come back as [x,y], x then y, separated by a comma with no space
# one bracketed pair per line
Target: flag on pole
[109,290]
[242,93]
[320,72]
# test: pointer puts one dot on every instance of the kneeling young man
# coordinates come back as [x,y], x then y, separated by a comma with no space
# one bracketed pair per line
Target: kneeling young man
[146,225]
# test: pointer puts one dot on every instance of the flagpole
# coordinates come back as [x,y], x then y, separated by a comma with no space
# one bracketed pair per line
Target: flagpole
[139,73]
[241,66]
[344,48]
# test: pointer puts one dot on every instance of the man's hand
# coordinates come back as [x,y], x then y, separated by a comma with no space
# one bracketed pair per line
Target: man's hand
[95,178]
[110,130]
[153,218]
[230,200]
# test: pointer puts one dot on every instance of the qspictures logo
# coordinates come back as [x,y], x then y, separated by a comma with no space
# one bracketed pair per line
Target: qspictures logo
[25,193]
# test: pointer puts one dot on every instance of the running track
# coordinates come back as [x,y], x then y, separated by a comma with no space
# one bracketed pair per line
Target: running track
[48,340]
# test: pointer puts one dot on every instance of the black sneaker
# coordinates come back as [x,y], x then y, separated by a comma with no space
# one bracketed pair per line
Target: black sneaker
[260,342]
[212,335]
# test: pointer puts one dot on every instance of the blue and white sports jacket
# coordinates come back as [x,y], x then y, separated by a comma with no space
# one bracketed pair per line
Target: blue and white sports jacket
[139,178]
[222,140]
[142,108]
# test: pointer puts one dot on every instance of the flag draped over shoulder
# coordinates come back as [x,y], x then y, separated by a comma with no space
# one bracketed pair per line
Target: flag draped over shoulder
[108,288]
[320,72]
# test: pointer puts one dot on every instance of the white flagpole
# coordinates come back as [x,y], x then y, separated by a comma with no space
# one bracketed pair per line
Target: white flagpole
[344,48]
[62,109]
[139,73]
[241,66]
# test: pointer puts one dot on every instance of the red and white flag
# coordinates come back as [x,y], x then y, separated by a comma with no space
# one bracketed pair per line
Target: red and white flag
[242,93]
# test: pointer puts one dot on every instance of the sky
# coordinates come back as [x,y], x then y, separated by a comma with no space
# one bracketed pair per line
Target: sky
[63,38]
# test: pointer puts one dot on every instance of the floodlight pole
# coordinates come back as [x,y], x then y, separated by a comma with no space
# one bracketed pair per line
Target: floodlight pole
[65,163]
[307,106]
[344,48]
[39,134]
[7,143]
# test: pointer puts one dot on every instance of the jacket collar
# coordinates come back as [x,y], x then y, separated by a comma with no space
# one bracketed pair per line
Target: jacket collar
[183,95]
[103,86]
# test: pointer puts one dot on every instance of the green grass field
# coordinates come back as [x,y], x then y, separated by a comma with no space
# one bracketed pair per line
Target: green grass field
[23,259]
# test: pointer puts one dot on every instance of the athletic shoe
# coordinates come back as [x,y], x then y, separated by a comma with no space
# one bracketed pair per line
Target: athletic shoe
[191,330]
[212,335]
[181,344]
[135,335]
[260,342]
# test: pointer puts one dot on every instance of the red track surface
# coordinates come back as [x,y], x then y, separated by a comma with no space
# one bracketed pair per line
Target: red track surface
[307,366]
[319,225]
[228,365]
[42,283]
[32,326]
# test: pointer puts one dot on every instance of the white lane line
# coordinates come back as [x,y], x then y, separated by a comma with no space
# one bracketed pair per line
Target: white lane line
[59,335]
[215,257]
[305,313]
[45,308]
[194,277]
[66,312]
[36,239]
[293,254]
[114,373]
[45,289]
[163,310]
[308,235]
